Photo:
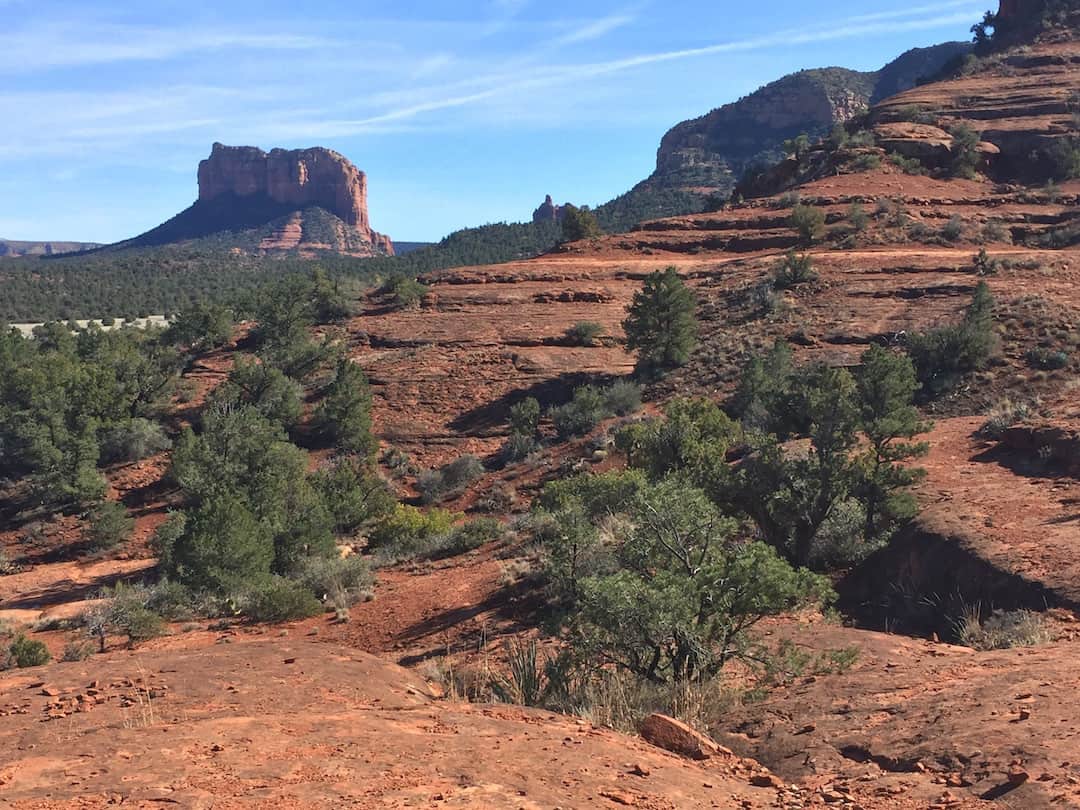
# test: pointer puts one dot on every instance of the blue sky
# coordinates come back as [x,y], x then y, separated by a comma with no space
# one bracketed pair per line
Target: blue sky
[460,113]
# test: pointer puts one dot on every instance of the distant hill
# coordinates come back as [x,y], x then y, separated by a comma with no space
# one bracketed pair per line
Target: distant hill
[11,247]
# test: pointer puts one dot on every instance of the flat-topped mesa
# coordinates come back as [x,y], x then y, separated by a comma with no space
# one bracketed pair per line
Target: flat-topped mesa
[299,177]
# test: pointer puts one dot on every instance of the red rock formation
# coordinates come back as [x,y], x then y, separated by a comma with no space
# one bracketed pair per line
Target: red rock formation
[549,212]
[301,177]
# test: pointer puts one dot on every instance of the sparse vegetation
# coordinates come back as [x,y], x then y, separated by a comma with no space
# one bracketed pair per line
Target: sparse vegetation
[943,355]
[907,165]
[404,292]
[809,222]
[584,333]
[965,151]
[793,270]
[953,229]
[525,417]
[581,414]
[24,653]
[858,217]
[1001,630]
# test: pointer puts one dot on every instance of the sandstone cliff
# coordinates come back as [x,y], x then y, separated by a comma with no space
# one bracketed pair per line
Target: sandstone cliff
[299,179]
[709,153]
[303,202]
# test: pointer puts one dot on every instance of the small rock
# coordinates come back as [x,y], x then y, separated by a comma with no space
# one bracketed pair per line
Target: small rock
[639,770]
[1017,776]
[766,780]
[617,796]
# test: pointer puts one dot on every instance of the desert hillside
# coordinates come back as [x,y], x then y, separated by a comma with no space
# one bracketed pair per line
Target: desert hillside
[488,537]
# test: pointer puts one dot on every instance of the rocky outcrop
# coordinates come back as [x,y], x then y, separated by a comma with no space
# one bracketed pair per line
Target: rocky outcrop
[298,178]
[711,152]
[549,211]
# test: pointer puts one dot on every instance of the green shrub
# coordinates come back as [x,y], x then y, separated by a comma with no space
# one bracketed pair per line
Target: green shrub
[280,600]
[339,582]
[201,326]
[953,229]
[518,448]
[109,526]
[133,440]
[266,388]
[866,163]
[1064,157]
[141,624]
[945,354]
[431,484]
[171,600]
[408,529]
[525,417]
[809,222]
[965,151]
[1002,630]
[352,493]
[995,231]
[404,292]
[473,535]
[220,546]
[1003,416]
[622,398]
[1047,359]
[793,270]
[584,333]
[434,485]
[26,652]
[907,165]
[693,436]
[581,414]
[462,471]
[658,617]
[77,651]
[858,217]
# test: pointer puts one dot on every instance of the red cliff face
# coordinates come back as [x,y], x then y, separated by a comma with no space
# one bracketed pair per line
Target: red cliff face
[301,177]
[1009,9]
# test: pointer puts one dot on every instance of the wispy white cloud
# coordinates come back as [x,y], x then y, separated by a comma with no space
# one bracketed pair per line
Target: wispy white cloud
[780,39]
[502,84]
[64,45]
[595,29]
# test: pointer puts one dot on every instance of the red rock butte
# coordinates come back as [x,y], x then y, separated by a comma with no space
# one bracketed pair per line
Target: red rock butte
[299,177]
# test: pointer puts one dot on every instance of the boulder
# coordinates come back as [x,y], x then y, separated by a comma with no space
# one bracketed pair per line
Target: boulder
[675,736]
